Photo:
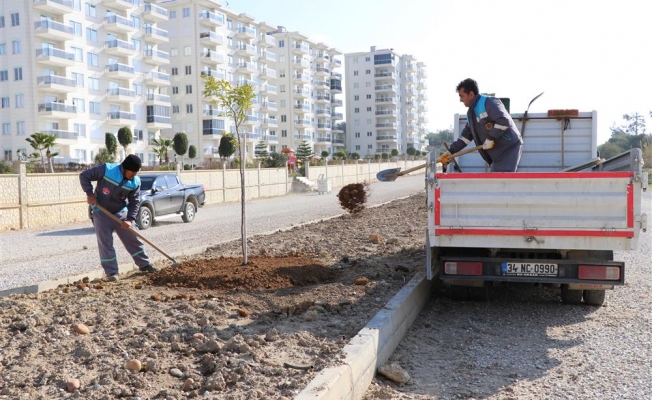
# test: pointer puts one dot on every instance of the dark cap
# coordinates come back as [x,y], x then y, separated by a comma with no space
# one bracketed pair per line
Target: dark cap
[132,163]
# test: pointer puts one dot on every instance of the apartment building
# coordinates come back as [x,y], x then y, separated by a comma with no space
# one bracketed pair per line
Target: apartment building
[79,69]
[385,102]
[209,39]
[307,87]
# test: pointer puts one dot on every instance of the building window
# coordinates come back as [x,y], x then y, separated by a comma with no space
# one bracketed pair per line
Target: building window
[91,35]
[4,75]
[6,128]
[173,14]
[76,28]
[92,59]
[284,118]
[356,85]
[175,109]
[186,12]
[188,108]
[91,10]
[15,19]
[187,51]
[356,97]
[3,49]
[188,89]
[368,108]
[368,96]
[175,71]
[5,102]
[368,71]
[93,84]
[16,46]
[94,107]
[80,103]
[77,53]
[356,110]
[357,134]
[2,21]
[18,73]
[175,89]
[281,73]
[367,59]
[20,101]
[355,73]
[8,155]
[174,52]
[78,78]
[357,147]
[281,43]
[284,133]
[282,88]
[370,146]
[188,70]
[370,134]
[367,84]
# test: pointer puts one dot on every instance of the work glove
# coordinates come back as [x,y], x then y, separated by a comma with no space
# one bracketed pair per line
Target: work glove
[488,144]
[445,158]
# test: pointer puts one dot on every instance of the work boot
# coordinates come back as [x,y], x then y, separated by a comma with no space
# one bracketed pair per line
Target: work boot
[148,269]
[113,278]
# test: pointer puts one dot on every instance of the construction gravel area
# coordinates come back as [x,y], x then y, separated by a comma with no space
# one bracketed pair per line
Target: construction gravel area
[524,344]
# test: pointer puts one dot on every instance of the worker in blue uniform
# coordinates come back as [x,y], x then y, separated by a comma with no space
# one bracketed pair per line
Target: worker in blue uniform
[488,125]
[118,191]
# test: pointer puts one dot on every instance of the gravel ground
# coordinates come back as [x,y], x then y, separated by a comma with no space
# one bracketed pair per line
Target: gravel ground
[525,344]
[35,255]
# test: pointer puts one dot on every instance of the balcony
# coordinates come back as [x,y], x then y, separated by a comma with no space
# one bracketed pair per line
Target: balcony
[268,89]
[322,71]
[268,106]
[119,25]
[267,73]
[120,95]
[300,63]
[324,139]
[117,47]
[336,103]
[246,68]
[53,30]
[385,75]
[300,48]
[55,57]
[387,138]
[268,56]
[121,118]
[323,98]
[59,7]
[390,100]
[336,86]
[120,71]
[250,120]
[301,93]
[212,58]
[267,40]
[57,110]
[215,113]
[302,123]
[323,85]
[337,129]
[301,78]
[321,57]
[62,135]
[246,50]
[321,126]
[269,123]
[338,116]
[245,32]
[211,38]
[157,78]
[250,136]
[323,112]
[386,125]
[120,4]
[156,57]
[386,113]
[158,122]
[215,133]
[422,84]
[155,35]
[337,63]
[208,18]
[155,13]
[385,88]
[54,83]
[302,107]
[270,138]
[214,73]
[153,99]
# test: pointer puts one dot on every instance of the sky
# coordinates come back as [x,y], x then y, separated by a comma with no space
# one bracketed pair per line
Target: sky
[583,54]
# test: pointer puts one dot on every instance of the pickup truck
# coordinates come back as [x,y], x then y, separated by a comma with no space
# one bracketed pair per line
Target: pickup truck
[555,222]
[163,195]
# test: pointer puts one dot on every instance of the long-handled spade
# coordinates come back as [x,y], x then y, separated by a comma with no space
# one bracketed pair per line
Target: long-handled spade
[135,232]
[525,114]
[390,175]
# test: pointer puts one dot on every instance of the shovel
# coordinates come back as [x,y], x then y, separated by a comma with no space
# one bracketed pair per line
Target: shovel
[135,232]
[525,114]
[390,175]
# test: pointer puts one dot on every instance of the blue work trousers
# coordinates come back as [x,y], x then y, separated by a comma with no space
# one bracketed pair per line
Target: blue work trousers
[104,228]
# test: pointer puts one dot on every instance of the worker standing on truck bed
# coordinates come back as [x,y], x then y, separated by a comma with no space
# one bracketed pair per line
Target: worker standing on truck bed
[117,190]
[489,125]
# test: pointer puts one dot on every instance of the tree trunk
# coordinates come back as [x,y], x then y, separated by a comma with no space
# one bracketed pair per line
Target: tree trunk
[243,226]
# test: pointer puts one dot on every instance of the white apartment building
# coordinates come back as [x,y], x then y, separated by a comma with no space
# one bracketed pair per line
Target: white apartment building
[307,85]
[385,102]
[78,69]
[209,39]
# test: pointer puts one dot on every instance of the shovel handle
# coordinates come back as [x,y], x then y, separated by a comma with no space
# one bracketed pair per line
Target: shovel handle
[135,232]
[467,151]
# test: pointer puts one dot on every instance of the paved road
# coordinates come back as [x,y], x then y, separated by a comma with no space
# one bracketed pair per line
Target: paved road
[35,255]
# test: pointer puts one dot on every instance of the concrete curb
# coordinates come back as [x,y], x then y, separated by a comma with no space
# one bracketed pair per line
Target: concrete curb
[371,347]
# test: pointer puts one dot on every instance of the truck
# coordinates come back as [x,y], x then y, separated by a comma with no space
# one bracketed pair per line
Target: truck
[163,195]
[557,221]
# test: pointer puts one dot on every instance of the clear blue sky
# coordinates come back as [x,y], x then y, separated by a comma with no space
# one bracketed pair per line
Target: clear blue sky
[584,54]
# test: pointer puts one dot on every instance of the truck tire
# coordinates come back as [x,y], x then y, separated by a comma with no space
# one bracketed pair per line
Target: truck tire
[479,293]
[188,212]
[145,217]
[459,293]
[569,296]
[594,297]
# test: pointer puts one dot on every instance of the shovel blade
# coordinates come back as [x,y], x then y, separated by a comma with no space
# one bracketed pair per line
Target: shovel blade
[388,175]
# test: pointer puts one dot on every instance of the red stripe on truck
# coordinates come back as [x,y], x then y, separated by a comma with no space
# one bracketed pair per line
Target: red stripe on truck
[533,175]
[538,232]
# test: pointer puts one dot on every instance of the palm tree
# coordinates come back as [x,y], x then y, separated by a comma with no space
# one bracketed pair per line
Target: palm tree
[163,145]
[43,142]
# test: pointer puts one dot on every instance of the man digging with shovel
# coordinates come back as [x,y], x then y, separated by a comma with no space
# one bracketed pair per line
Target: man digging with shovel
[489,126]
[118,192]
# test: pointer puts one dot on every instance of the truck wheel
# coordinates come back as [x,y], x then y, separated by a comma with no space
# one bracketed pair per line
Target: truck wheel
[594,297]
[459,293]
[479,293]
[188,212]
[569,296]
[145,217]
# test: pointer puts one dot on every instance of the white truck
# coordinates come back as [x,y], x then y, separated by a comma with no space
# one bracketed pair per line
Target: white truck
[557,220]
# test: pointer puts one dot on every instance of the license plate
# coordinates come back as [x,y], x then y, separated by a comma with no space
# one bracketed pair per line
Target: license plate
[529,269]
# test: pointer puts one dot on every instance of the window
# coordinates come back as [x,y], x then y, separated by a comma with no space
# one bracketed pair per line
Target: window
[76,4]
[93,84]
[281,73]
[188,69]
[8,155]
[136,22]
[15,19]
[367,84]
[357,134]
[94,107]
[370,134]
[91,35]
[368,71]
[5,102]
[76,28]
[356,85]
[370,146]
[18,73]
[20,101]
[368,96]
[20,128]
[138,89]
[175,89]
[356,110]
[92,59]
[187,51]
[355,73]
[356,97]
[78,53]
[80,103]
[91,11]
[284,133]
[79,78]
[4,75]
[80,129]
[3,49]
[188,108]
[16,46]
[175,109]
[356,122]
[284,118]
[281,43]
[174,52]
[175,71]
[283,103]
[282,88]
[2,21]
[357,147]
[6,128]
[186,12]
[188,89]
[368,108]
[367,59]
[173,14]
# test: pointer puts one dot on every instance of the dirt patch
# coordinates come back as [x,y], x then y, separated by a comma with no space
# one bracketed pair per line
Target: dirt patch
[353,197]
[213,328]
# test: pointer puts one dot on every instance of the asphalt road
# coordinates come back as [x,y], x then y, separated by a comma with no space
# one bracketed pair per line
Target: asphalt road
[32,256]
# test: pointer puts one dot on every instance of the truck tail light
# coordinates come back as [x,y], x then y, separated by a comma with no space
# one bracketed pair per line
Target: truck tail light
[462,268]
[599,272]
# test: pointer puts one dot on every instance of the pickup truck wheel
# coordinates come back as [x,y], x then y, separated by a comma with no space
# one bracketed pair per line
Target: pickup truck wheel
[569,296]
[459,293]
[144,218]
[479,293]
[188,212]
[594,297]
